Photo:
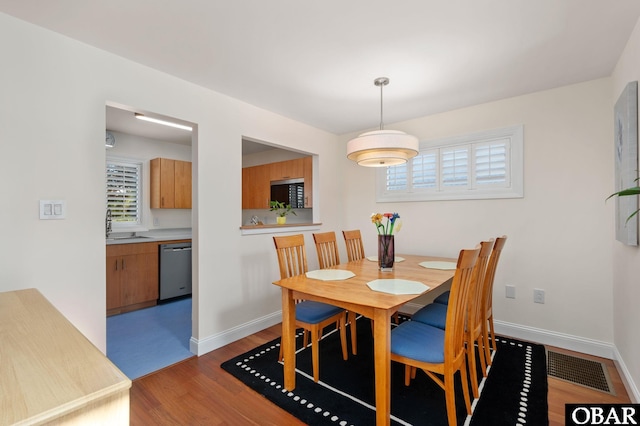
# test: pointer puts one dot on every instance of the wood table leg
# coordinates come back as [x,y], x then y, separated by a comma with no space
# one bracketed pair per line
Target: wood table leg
[382,353]
[288,340]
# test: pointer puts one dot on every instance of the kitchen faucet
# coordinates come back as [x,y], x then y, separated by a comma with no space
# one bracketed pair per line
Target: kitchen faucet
[107,223]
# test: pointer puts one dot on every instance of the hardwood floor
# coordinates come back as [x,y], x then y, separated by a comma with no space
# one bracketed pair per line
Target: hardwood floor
[198,392]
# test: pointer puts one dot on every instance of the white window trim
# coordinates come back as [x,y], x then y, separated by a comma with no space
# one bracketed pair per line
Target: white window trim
[515,164]
[131,226]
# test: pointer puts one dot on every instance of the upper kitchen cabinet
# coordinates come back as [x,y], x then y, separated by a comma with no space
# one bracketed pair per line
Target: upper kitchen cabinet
[170,184]
[256,188]
[307,167]
[283,170]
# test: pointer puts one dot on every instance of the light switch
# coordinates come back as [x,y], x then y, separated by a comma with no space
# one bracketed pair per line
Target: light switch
[52,209]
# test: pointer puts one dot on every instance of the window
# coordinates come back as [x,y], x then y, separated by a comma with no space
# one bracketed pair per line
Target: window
[123,195]
[477,166]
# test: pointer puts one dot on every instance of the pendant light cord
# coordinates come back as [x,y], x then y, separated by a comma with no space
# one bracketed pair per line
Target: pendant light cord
[381,81]
[381,121]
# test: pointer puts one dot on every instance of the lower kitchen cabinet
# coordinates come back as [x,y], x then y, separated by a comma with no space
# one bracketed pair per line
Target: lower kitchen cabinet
[132,277]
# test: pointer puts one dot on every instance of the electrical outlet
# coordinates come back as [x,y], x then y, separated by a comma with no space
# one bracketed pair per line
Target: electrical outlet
[510,291]
[538,295]
[156,221]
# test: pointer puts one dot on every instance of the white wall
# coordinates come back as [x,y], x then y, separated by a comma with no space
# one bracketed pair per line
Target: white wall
[52,123]
[559,234]
[626,260]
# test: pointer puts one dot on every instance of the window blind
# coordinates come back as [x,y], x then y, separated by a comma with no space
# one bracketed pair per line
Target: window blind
[123,191]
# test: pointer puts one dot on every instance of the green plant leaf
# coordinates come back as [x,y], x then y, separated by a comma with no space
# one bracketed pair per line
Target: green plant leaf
[626,192]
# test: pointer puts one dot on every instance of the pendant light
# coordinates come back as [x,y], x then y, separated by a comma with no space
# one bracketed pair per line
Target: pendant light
[382,148]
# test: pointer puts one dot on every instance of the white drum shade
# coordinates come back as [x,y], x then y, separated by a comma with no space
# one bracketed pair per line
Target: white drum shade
[382,148]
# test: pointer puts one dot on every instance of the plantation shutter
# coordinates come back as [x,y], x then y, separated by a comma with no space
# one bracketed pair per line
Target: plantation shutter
[491,163]
[397,177]
[123,192]
[455,166]
[425,170]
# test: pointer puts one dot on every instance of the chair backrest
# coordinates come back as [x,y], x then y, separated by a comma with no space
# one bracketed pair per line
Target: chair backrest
[353,241]
[327,248]
[292,256]
[456,309]
[487,296]
[475,306]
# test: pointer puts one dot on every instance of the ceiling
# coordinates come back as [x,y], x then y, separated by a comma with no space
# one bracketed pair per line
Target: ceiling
[316,62]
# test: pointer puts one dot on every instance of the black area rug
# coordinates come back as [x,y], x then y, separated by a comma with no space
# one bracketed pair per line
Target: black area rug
[515,392]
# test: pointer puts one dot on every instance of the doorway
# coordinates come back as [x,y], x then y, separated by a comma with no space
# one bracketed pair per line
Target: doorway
[168,325]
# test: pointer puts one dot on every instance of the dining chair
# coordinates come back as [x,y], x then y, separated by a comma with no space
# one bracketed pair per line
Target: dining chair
[327,249]
[353,241]
[487,298]
[435,314]
[328,256]
[311,316]
[440,353]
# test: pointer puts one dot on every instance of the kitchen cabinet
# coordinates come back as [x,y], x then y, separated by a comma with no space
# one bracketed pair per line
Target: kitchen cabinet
[291,169]
[256,181]
[170,184]
[256,187]
[132,276]
[307,168]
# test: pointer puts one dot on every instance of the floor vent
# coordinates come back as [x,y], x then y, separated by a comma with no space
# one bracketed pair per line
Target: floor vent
[584,372]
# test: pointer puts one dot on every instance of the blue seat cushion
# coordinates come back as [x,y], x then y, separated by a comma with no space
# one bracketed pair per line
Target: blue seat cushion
[312,312]
[443,299]
[434,314]
[418,341]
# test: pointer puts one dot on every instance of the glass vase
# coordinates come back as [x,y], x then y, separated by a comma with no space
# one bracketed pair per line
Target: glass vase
[386,252]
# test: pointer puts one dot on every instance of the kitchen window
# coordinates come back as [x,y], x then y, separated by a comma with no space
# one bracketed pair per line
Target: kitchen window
[476,166]
[124,192]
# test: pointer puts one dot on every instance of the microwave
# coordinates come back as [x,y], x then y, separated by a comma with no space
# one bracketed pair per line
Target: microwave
[290,191]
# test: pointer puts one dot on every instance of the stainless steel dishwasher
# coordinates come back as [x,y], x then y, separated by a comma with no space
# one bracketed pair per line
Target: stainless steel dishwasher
[175,270]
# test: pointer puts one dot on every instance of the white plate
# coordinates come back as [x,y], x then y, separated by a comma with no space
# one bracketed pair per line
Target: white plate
[439,265]
[395,259]
[330,274]
[397,286]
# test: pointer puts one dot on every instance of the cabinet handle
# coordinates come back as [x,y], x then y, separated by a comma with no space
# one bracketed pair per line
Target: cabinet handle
[116,264]
[162,201]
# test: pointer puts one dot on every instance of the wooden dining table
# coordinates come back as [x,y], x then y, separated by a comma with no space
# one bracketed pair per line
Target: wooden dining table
[353,294]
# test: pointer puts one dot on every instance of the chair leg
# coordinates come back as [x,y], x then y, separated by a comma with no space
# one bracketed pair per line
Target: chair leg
[407,374]
[343,337]
[471,358]
[485,338]
[315,352]
[481,354]
[450,397]
[465,386]
[354,336]
[305,341]
[493,333]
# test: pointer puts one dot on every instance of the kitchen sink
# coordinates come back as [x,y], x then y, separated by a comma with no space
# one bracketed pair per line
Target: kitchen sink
[129,237]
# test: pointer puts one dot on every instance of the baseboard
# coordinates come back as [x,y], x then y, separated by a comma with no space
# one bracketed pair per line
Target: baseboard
[546,337]
[625,375]
[552,338]
[215,341]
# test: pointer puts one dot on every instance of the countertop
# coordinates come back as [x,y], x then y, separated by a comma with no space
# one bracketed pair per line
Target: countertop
[51,372]
[150,236]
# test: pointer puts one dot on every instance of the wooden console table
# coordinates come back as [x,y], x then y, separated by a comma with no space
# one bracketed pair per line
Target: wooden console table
[50,372]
